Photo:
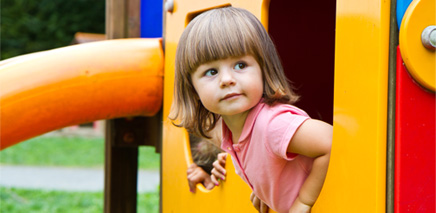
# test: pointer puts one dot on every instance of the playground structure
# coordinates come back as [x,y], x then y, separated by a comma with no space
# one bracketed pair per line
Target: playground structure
[379,96]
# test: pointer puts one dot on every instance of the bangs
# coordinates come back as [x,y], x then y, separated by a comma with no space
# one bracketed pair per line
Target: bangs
[220,36]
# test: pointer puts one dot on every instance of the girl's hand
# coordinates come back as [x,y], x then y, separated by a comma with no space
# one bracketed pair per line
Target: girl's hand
[258,204]
[300,207]
[218,171]
[197,175]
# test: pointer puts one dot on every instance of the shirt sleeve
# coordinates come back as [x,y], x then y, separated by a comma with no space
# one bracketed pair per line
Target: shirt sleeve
[280,130]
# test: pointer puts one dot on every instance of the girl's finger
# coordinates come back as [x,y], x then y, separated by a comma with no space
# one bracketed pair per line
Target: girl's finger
[194,176]
[208,184]
[192,185]
[252,197]
[215,173]
[214,180]
[191,168]
[256,203]
[218,167]
[263,207]
[222,157]
[218,174]
[189,171]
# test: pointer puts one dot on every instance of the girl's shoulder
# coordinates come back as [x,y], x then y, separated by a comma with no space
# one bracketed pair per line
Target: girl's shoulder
[280,108]
[280,116]
[265,117]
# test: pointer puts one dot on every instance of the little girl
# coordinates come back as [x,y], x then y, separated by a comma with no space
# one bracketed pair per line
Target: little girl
[227,67]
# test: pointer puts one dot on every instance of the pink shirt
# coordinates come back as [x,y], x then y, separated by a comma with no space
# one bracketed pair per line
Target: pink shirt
[260,156]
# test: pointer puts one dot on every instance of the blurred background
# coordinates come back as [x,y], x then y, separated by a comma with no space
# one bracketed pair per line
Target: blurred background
[61,171]
[34,25]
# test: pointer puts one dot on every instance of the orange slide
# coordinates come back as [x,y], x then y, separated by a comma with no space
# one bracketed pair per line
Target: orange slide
[45,91]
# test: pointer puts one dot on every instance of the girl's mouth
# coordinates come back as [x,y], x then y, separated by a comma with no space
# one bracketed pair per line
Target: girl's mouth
[230,96]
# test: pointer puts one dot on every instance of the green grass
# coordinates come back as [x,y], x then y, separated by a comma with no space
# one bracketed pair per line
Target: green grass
[70,152]
[24,201]
[65,151]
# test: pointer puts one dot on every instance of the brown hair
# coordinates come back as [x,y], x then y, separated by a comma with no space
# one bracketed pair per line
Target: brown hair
[204,152]
[219,34]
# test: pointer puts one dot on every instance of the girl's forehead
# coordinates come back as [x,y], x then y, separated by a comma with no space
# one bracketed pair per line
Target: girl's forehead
[210,55]
[211,63]
[220,60]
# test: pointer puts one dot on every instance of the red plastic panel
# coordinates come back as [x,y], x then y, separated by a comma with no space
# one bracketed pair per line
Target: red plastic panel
[415,145]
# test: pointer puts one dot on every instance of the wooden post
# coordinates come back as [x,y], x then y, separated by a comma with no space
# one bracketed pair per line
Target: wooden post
[121,167]
[125,135]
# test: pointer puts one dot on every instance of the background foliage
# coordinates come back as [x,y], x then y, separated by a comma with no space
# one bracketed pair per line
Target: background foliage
[34,25]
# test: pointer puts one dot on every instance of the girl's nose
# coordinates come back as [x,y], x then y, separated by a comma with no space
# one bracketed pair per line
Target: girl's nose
[227,78]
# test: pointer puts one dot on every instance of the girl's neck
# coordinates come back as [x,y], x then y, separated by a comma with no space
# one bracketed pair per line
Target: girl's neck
[235,123]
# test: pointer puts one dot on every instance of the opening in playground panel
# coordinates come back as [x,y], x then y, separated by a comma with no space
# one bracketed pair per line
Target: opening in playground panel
[304,35]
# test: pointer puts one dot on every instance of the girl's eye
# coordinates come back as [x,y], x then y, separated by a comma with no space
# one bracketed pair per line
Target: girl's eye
[210,72]
[240,66]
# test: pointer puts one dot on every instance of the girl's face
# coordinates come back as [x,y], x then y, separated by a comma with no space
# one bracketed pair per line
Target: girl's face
[229,86]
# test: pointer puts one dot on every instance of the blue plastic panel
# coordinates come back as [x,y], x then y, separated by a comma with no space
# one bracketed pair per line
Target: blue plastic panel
[402,6]
[151,18]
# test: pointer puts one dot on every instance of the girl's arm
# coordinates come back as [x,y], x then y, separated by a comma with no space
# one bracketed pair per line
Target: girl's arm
[313,139]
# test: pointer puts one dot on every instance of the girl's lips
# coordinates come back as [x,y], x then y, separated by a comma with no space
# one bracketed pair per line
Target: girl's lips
[229,96]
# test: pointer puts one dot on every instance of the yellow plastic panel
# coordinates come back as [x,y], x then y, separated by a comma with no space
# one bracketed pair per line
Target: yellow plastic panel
[420,62]
[356,176]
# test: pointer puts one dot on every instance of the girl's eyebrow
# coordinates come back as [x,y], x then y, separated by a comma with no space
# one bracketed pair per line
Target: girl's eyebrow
[197,70]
